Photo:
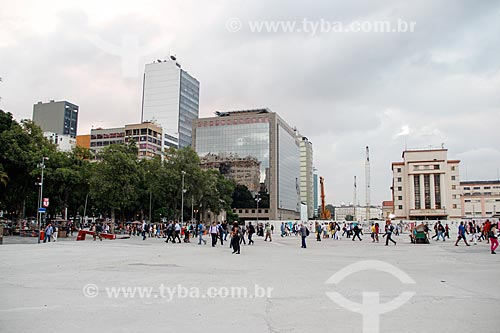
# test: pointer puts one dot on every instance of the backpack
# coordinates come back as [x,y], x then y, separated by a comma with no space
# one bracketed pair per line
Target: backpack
[307,231]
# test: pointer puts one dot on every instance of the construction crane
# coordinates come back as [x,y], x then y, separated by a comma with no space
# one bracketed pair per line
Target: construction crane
[367,183]
[354,199]
[324,214]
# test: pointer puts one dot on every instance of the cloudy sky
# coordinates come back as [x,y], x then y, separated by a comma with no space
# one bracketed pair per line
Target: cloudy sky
[343,90]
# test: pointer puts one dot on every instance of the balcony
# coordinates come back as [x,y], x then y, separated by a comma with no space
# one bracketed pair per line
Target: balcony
[428,212]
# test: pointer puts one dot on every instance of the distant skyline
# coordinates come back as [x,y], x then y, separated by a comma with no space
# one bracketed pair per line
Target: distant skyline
[343,91]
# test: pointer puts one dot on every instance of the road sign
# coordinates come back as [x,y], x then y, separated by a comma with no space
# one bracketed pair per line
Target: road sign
[42,210]
[45,202]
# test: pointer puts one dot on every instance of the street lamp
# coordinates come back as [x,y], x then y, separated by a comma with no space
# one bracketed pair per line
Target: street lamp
[40,198]
[183,173]
[257,199]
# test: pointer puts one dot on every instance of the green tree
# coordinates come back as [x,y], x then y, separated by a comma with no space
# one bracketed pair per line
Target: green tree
[115,179]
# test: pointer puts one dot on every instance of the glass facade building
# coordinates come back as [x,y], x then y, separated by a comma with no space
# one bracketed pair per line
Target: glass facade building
[263,135]
[170,98]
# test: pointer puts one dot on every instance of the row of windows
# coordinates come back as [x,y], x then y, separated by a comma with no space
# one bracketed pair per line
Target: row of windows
[240,211]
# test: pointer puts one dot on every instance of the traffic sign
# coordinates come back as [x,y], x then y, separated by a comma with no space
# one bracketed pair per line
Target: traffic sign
[42,210]
[45,202]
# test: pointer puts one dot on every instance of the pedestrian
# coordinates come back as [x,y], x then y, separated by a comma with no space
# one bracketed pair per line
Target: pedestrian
[377,231]
[493,238]
[235,238]
[177,232]
[49,230]
[461,234]
[243,231]
[98,231]
[214,232]
[447,231]
[144,229]
[268,233]
[373,232]
[318,230]
[201,230]
[440,231]
[251,231]
[357,231]
[304,232]
[170,232]
[55,233]
[282,229]
[389,228]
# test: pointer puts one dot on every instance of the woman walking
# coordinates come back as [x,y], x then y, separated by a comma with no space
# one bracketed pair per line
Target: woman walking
[493,239]
[235,238]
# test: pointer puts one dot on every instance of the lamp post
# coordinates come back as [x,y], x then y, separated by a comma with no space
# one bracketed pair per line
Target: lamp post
[257,199]
[183,173]
[40,198]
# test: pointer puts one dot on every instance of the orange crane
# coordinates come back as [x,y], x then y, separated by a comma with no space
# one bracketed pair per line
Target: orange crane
[324,214]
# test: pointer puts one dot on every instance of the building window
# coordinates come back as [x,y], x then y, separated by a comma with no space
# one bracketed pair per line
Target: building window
[436,166]
[437,191]
[452,177]
[427,189]
[466,188]
[454,205]
[400,197]
[416,183]
[453,187]
[399,169]
[399,179]
[400,188]
[400,207]
[453,168]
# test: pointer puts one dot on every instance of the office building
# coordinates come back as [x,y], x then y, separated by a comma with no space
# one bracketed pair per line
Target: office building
[480,199]
[306,175]
[57,117]
[63,142]
[265,136]
[426,186]
[148,137]
[170,98]
[243,170]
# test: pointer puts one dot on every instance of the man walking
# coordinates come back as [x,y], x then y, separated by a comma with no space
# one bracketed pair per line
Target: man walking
[201,229]
[304,232]
[251,231]
[389,228]
[461,234]
[177,232]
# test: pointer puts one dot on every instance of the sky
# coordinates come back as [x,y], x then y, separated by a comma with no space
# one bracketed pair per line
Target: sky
[438,84]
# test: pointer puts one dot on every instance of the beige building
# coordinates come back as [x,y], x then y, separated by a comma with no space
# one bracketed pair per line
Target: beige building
[243,170]
[148,137]
[480,199]
[426,185]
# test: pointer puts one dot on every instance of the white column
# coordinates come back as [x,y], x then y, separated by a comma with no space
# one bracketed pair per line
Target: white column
[433,194]
[444,198]
[422,192]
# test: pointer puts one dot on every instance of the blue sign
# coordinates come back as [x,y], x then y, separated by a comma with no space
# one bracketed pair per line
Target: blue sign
[42,210]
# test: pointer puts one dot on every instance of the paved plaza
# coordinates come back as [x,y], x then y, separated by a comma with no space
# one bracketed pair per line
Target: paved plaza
[72,286]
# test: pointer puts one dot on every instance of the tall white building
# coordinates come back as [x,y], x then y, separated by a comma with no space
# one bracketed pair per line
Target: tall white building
[170,98]
[426,185]
[306,175]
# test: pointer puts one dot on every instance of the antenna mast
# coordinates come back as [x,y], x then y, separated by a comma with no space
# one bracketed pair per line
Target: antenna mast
[367,181]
